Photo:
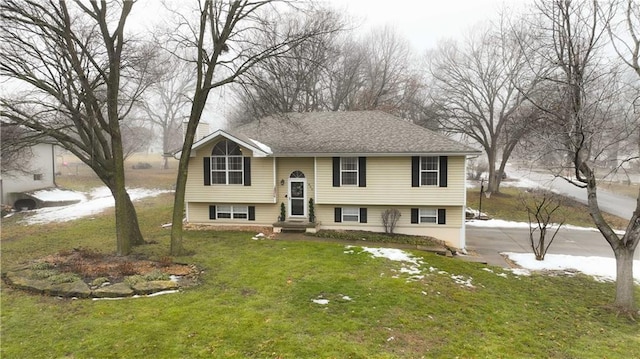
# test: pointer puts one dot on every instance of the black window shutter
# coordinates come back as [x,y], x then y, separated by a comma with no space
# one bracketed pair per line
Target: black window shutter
[414,215]
[362,172]
[442,216]
[363,215]
[337,215]
[207,171]
[336,172]
[247,170]
[444,164]
[252,213]
[212,212]
[415,172]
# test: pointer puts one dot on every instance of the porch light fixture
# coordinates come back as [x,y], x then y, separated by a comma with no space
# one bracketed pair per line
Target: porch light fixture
[282,182]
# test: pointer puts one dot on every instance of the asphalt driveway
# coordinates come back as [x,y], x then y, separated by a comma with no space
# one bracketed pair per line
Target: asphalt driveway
[487,243]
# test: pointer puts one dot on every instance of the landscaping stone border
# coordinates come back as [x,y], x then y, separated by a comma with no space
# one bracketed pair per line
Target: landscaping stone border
[23,279]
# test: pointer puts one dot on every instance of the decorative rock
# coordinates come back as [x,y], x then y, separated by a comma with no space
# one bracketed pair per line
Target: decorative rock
[154,286]
[21,280]
[113,291]
[77,288]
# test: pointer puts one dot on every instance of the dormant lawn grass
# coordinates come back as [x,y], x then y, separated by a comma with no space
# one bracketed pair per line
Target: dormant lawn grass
[255,301]
[506,205]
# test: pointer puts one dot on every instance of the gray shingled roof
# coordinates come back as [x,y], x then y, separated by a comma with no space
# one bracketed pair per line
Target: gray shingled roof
[353,132]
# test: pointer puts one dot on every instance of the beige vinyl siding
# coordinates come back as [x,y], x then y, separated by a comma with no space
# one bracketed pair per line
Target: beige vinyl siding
[389,183]
[261,189]
[449,232]
[266,214]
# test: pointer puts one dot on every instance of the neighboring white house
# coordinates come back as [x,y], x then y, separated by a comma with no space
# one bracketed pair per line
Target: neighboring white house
[39,173]
[353,165]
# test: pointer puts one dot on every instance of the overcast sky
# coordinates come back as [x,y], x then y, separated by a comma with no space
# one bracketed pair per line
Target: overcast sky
[423,23]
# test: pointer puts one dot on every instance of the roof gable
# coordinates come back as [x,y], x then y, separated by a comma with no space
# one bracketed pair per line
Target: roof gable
[258,148]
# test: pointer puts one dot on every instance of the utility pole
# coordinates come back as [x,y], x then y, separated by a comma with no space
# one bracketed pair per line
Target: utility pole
[481,192]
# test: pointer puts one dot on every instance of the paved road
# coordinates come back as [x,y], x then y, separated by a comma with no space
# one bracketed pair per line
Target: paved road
[489,242]
[619,205]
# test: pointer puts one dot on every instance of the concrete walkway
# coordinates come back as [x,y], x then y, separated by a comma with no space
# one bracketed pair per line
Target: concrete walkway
[488,243]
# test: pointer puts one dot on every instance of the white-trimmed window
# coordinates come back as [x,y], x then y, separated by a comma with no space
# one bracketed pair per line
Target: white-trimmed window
[227,163]
[350,214]
[232,212]
[429,170]
[349,171]
[428,215]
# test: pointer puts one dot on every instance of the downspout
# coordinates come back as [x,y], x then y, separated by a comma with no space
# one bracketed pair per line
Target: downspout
[463,228]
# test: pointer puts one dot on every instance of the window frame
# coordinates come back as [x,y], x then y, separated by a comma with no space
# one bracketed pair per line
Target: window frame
[421,215]
[233,212]
[226,162]
[424,171]
[356,171]
[344,216]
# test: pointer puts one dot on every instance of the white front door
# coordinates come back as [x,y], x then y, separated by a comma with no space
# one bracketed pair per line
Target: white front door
[297,197]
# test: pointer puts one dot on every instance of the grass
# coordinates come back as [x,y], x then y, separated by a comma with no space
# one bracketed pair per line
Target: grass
[506,205]
[630,190]
[255,301]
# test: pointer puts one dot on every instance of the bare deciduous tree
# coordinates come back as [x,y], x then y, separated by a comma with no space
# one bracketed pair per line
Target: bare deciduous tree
[390,218]
[224,44]
[479,90]
[543,211]
[586,116]
[15,149]
[166,102]
[77,78]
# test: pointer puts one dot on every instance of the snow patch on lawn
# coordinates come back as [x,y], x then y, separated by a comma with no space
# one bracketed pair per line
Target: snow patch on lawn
[601,268]
[411,265]
[500,223]
[91,203]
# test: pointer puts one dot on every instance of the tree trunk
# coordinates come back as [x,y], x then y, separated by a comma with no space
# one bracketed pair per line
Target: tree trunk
[176,248]
[623,248]
[127,227]
[624,279]
[494,185]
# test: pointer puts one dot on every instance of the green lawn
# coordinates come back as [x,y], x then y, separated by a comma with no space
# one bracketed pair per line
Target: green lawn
[255,301]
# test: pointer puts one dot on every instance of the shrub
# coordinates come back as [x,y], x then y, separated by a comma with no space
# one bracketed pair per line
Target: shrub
[42,266]
[390,218]
[156,275]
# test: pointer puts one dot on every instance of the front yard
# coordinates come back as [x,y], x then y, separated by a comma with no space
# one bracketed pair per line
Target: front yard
[305,299]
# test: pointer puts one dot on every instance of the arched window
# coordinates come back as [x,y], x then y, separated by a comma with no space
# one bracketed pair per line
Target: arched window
[226,163]
[296,174]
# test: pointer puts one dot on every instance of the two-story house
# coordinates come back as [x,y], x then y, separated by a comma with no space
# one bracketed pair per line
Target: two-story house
[354,165]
